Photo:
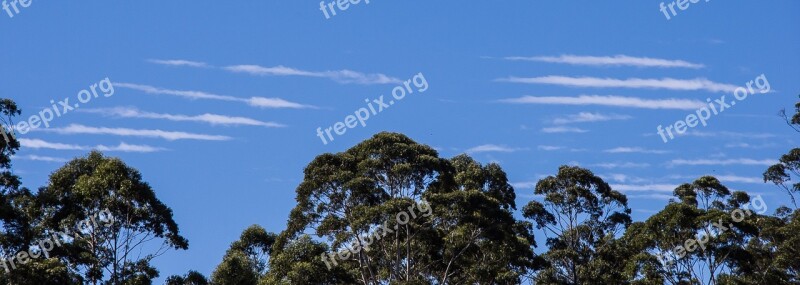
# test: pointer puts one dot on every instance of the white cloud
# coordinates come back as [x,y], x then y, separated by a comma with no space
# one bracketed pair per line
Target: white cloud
[551,130]
[618,177]
[747,145]
[623,178]
[634,150]
[611,165]
[276,103]
[341,76]
[549,147]
[36,143]
[524,185]
[730,134]
[492,148]
[253,101]
[644,187]
[167,135]
[586,117]
[740,161]
[635,83]
[616,101]
[41,158]
[651,196]
[178,62]
[617,60]
[739,179]
[212,119]
[122,147]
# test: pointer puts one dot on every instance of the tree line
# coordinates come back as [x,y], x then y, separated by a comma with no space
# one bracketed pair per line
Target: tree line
[475,232]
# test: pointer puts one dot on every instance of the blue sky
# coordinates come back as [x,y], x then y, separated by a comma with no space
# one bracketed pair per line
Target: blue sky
[269,73]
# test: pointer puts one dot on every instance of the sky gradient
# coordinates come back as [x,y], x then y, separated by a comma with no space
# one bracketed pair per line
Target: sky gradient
[218,103]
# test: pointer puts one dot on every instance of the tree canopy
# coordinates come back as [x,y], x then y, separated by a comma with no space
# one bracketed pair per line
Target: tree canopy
[390,210]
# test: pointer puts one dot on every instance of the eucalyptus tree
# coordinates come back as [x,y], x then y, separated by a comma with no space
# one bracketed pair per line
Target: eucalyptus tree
[346,196]
[581,216]
[389,210]
[137,226]
[789,165]
[246,260]
[191,278]
[481,241]
[709,236]
[16,225]
[299,262]
[19,215]
[771,255]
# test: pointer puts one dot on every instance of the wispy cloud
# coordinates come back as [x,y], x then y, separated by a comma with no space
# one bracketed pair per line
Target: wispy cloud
[252,101]
[644,187]
[616,101]
[612,165]
[730,135]
[616,177]
[122,147]
[617,60]
[549,147]
[555,130]
[341,76]
[556,148]
[37,144]
[657,191]
[740,179]
[276,103]
[651,196]
[213,119]
[635,150]
[41,158]
[623,178]
[586,117]
[740,161]
[125,132]
[492,148]
[747,145]
[524,185]
[635,83]
[178,62]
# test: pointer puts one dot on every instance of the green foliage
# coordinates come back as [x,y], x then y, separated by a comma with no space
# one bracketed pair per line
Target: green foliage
[472,236]
[581,215]
[85,187]
[464,227]
[246,260]
[191,278]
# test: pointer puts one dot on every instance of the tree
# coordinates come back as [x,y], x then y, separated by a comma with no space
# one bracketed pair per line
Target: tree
[299,262]
[459,228]
[246,260]
[581,216]
[191,278]
[345,196]
[789,164]
[89,186]
[19,215]
[481,241]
